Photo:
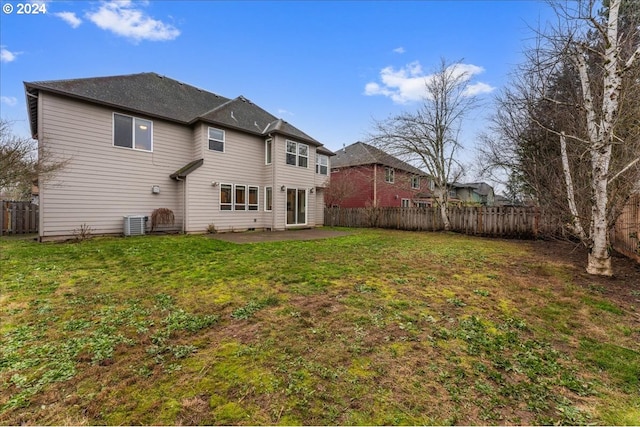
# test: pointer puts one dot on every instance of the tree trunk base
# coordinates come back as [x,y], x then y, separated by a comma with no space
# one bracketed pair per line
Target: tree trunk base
[599,266]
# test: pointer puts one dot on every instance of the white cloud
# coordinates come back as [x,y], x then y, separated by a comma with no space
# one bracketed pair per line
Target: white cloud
[478,89]
[11,101]
[6,55]
[125,19]
[399,50]
[285,112]
[70,18]
[407,84]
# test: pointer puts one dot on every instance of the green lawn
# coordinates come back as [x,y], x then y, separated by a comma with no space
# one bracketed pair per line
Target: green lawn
[378,327]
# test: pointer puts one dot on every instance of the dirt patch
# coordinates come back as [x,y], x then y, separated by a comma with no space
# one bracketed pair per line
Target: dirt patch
[278,236]
[623,287]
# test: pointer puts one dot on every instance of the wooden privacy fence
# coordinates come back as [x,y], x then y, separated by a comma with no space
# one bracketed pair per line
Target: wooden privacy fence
[625,236]
[515,222]
[18,217]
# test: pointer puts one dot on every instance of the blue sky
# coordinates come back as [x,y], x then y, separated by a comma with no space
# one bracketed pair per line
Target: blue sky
[327,67]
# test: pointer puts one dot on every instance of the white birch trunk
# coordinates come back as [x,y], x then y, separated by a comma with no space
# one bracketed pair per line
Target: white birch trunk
[601,140]
[571,199]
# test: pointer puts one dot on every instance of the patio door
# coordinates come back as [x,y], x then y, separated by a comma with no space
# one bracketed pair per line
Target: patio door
[296,206]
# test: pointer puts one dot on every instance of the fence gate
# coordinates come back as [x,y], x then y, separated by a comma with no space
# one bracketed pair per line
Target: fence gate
[18,217]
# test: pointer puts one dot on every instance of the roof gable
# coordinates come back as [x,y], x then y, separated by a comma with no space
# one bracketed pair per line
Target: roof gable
[158,96]
[359,154]
[147,93]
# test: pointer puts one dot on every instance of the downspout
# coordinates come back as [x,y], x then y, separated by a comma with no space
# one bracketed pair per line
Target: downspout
[273,182]
[375,185]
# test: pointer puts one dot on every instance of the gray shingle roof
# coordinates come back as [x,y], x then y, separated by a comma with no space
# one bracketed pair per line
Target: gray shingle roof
[158,96]
[359,153]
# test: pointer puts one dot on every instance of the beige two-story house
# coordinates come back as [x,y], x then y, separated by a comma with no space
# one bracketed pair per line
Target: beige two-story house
[136,143]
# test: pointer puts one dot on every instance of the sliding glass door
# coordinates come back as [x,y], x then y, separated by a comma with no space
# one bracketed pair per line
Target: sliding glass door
[296,206]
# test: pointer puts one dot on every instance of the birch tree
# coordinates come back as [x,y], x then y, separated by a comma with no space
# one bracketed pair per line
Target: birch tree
[601,68]
[572,113]
[428,137]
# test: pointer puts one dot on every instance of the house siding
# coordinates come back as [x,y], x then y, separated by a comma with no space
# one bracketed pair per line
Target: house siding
[242,163]
[369,187]
[293,177]
[101,183]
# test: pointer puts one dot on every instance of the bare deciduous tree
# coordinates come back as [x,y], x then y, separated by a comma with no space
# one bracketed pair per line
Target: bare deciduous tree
[428,137]
[568,125]
[22,162]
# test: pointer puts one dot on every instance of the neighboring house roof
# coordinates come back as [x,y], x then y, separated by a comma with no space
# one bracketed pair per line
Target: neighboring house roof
[159,96]
[359,154]
[482,188]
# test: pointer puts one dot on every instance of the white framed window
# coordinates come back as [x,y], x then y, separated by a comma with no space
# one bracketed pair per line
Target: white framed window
[405,203]
[240,198]
[253,198]
[297,154]
[226,197]
[216,139]
[132,132]
[322,164]
[452,193]
[432,185]
[267,151]
[415,182]
[389,175]
[303,155]
[292,150]
[268,199]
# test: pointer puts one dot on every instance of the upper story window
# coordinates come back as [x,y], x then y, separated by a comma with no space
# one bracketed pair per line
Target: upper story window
[432,185]
[415,182]
[322,164]
[267,151]
[216,140]
[389,175]
[132,132]
[453,193]
[297,154]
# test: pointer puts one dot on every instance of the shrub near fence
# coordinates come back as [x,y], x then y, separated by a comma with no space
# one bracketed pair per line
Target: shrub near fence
[18,217]
[514,222]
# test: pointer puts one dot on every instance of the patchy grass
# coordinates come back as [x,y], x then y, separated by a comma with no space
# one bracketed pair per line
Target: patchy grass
[378,327]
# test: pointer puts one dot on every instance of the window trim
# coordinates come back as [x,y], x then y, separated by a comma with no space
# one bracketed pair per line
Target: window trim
[319,164]
[236,187]
[405,203]
[389,175]
[256,205]
[230,204]
[415,179]
[296,153]
[223,140]
[268,151]
[268,204]
[133,132]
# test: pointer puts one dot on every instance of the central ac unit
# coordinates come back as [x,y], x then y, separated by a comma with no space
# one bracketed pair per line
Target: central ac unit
[134,225]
